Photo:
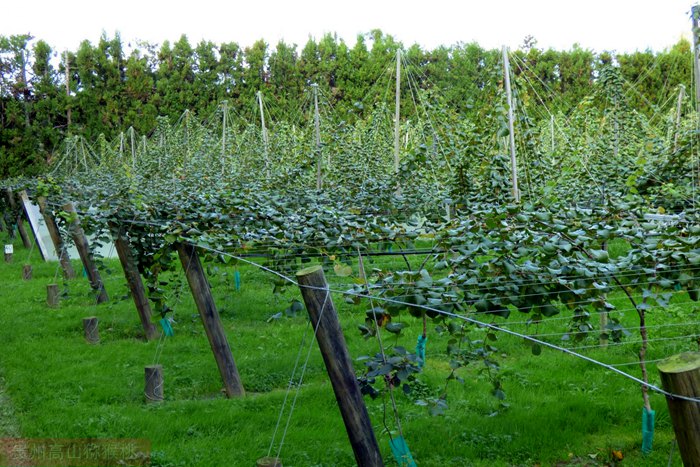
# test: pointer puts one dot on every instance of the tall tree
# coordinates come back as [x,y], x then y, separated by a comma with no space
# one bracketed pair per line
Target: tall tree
[230,71]
[48,115]
[139,89]
[256,75]
[207,93]
[285,78]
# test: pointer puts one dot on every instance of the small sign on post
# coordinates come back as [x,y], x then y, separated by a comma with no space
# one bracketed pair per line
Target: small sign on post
[9,250]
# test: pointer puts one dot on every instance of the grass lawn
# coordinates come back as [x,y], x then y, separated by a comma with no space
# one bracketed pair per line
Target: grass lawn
[561,410]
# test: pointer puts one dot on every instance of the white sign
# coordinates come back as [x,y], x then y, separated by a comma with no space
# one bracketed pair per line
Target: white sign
[34,216]
[9,249]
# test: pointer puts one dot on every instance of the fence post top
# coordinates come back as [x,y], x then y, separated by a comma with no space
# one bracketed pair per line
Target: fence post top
[680,363]
[310,270]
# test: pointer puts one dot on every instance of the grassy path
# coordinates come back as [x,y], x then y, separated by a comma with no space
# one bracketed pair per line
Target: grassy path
[9,427]
[561,412]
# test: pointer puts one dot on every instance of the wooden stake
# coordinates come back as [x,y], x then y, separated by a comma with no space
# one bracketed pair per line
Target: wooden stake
[266,143]
[52,295]
[91,329]
[329,335]
[154,383]
[133,279]
[27,272]
[9,223]
[55,234]
[201,292]
[551,130]
[20,219]
[81,243]
[603,329]
[317,134]
[681,95]
[223,138]
[680,375]
[511,125]
[268,462]
[397,127]
[695,30]
[68,112]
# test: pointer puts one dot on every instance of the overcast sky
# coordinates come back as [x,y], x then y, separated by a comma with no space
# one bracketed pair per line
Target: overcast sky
[614,25]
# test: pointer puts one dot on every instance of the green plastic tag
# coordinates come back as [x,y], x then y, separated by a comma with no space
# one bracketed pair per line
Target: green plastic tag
[648,419]
[167,327]
[420,350]
[401,453]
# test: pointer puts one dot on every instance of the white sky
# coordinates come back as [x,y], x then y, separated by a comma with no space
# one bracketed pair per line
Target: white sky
[615,25]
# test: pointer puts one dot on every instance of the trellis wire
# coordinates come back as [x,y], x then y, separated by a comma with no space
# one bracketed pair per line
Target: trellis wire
[484,325]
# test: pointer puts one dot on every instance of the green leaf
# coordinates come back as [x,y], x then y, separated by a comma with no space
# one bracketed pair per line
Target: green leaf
[548,310]
[601,256]
[342,270]
[395,328]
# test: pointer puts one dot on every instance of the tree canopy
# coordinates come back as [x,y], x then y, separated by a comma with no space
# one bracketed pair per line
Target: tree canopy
[104,88]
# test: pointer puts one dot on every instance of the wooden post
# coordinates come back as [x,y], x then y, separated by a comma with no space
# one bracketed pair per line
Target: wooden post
[551,130]
[133,147]
[154,383]
[10,226]
[603,341]
[679,104]
[511,131]
[397,128]
[317,134]
[68,112]
[91,329]
[55,234]
[329,335]
[81,243]
[616,128]
[133,279]
[27,272]
[223,138]
[266,143]
[20,221]
[9,250]
[185,125]
[680,374]
[201,292]
[52,295]
[268,462]
[9,223]
[695,30]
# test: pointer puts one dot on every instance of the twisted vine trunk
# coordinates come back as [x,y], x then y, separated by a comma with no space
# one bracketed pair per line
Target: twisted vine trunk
[642,357]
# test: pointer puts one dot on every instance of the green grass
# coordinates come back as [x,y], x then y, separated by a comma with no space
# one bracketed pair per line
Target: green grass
[562,410]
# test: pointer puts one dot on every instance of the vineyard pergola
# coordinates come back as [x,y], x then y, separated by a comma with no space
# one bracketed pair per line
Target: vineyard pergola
[603,223]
